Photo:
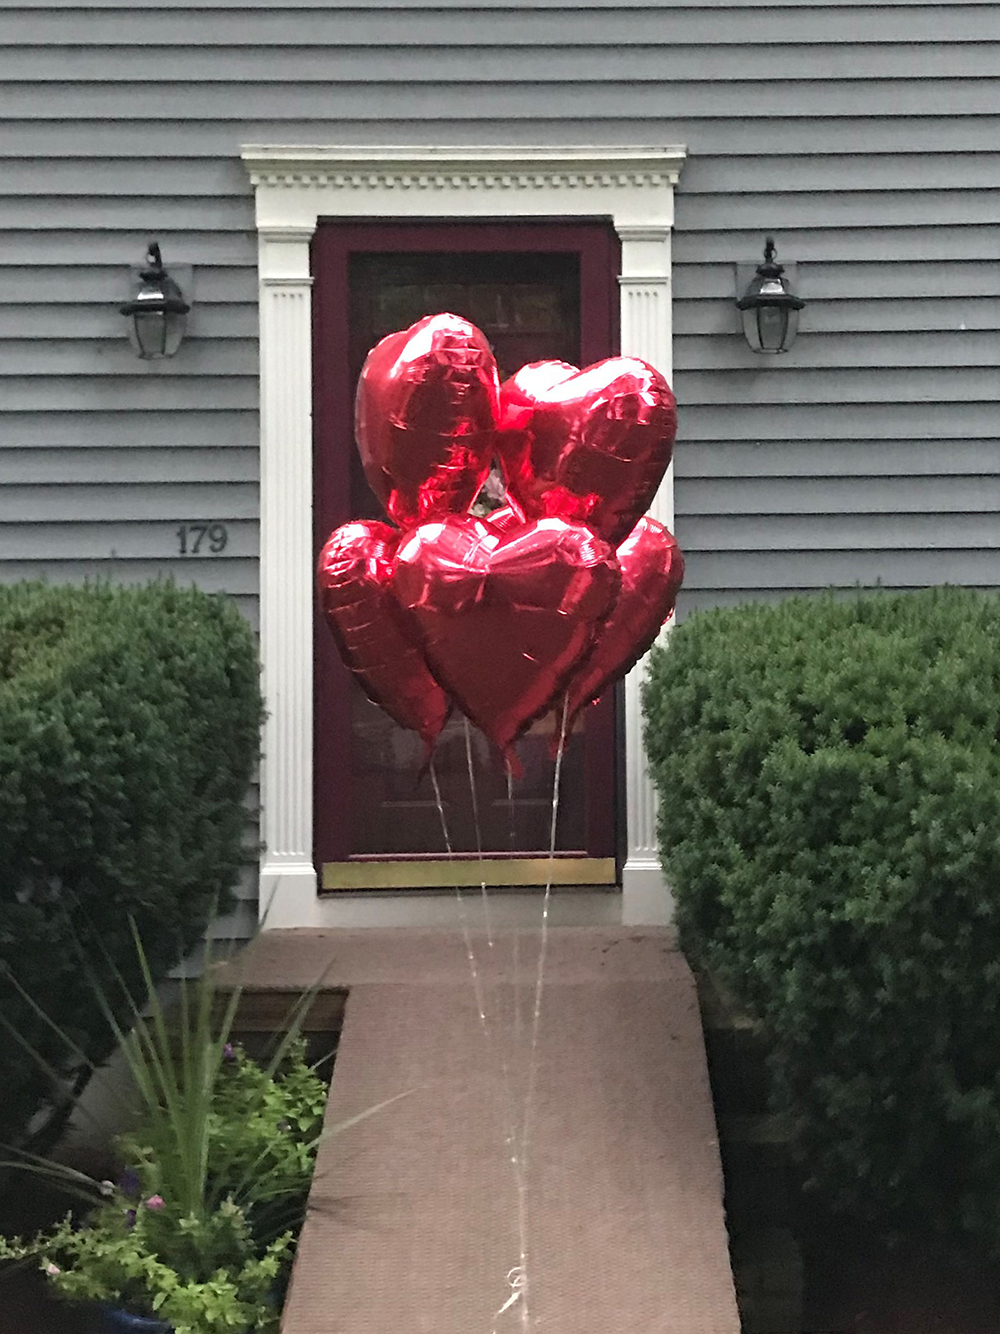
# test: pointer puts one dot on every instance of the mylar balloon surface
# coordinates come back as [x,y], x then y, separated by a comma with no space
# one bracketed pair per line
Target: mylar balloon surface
[354,576]
[425,417]
[590,446]
[505,617]
[652,570]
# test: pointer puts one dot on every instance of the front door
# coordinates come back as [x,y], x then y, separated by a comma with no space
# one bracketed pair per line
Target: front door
[538,291]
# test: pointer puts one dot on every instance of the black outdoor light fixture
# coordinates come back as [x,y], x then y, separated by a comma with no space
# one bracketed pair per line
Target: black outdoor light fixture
[769,306]
[157,312]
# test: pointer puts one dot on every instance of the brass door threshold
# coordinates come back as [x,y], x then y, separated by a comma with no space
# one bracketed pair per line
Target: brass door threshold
[467,872]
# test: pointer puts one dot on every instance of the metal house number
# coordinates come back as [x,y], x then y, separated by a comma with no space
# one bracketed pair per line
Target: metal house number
[202,539]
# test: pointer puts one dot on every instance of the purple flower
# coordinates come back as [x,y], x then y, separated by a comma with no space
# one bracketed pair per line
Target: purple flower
[155,1202]
[130,1217]
[229,1052]
[129,1183]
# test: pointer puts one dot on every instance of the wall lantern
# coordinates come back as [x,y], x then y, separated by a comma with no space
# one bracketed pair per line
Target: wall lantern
[157,312]
[770,308]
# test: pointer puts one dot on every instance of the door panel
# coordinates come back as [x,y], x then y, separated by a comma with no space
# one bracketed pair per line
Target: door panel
[531,288]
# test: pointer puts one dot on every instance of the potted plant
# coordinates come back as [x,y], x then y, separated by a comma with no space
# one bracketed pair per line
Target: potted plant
[197,1234]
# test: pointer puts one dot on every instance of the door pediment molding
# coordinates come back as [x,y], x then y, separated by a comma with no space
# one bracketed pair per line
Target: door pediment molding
[296,185]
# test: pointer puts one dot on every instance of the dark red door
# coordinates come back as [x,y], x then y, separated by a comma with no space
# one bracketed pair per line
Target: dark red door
[538,291]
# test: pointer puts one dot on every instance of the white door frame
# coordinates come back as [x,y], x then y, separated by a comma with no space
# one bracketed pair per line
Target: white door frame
[295,187]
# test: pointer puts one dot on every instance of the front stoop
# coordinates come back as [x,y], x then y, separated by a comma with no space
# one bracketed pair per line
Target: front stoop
[412,1224]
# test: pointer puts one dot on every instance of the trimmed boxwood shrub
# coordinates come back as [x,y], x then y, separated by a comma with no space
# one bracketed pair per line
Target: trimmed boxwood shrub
[829,784]
[129,725]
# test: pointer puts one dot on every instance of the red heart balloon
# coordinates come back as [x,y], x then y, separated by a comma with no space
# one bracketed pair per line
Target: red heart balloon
[591,445]
[505,617]
[354,575]
[652,569]
[426,412]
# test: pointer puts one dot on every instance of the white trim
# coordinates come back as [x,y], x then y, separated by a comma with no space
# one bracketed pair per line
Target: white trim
[294,187]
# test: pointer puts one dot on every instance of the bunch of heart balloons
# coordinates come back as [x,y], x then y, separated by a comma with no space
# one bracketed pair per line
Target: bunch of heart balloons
[541,603]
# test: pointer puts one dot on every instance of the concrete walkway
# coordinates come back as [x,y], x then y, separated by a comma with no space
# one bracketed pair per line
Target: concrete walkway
[412,1227]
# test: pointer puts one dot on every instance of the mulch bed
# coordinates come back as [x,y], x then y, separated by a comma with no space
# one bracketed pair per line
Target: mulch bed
[857,1284]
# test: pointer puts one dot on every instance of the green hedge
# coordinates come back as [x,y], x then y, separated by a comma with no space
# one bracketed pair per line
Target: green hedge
[829,784]
[129,725]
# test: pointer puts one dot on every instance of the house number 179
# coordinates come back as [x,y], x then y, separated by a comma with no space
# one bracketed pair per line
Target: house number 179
[202,539]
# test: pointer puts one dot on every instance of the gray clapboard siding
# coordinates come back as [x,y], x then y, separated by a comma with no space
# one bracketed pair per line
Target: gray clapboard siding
[863,318]
[751,138]
[102,468]
[909,421]
[403,6]
[514,101]
[100,321]
[232,577]
[507,27]
[795,533]
[570,64]
[49,284]
[869,455]
[119,428]
[743,497]
[806,569]
[111,356]
[858,283]
[845,460]
[823,351]
[872,386]
[144,501]
[61,536]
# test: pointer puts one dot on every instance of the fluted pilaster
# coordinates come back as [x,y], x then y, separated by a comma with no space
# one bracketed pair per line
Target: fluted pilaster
[646,333]
[286,569]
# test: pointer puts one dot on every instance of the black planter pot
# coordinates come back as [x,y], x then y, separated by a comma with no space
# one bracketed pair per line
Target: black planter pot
[116,1321]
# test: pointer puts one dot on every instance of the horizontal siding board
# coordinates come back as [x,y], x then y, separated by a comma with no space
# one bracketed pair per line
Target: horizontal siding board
[865,318]
[881,244]
[72,503]
[485,64]
[128,247]
[849,421]
[741,497]
[855,281]
[96,284]
[513,101]
[855,461]
[123,212]
[98,468]
[931,130]
[836,532]
[841,351]
[65,540]
[383,7]
[114,357]
[237,578]
[509,28]
[194,196]
[849,208]
[102,320]
[871,386]
[800,570]
[692,603]
[53,428]
[787,171]
[147,394]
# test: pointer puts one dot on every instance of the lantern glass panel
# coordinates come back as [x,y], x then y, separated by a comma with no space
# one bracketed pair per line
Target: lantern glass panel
[772,327]
[148,332]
